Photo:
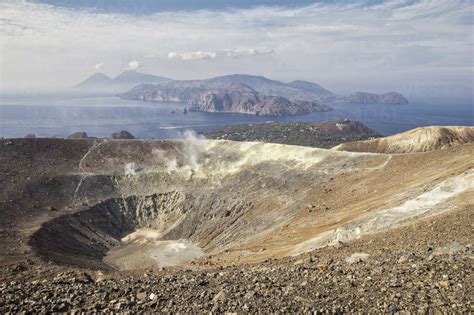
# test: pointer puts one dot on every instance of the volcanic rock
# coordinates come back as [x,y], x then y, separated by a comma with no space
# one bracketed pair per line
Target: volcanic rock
[79,135]
[122,134]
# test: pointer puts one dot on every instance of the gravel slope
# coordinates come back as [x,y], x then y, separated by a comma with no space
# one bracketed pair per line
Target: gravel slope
[422,267]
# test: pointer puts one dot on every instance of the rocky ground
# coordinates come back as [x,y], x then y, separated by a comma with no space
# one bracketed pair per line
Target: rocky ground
[320,135]
[424,267]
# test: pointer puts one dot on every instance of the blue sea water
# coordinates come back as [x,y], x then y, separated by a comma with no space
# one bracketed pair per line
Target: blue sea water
[100,117]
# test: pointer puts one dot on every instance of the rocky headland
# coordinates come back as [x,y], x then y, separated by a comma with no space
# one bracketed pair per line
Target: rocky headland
[370,98]
[326,134]
[224,97]
[239,98]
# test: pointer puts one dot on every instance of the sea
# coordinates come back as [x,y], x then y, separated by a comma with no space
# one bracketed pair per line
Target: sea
[100,116]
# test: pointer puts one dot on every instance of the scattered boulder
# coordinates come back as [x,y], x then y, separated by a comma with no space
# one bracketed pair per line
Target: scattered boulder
[141,296]
[357,257]
[122,134]
[450,249]
[220,297]
[402,259]
[79,135]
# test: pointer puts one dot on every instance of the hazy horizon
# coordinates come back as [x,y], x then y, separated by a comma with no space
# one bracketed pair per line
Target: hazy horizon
[419,48]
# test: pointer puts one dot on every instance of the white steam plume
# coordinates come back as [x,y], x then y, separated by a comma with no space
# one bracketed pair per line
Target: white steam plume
[162,157]
[188,156]
[194,147]
[130,168]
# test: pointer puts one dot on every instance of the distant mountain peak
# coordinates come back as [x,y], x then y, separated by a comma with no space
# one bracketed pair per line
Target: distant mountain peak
[243,75]
[303,82]
[135,76]
[96,78]
[292,91]
[129,73]
[100,75]
[312,87]
[99,82]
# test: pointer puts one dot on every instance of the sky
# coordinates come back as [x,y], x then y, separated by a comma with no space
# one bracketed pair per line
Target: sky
[420,47]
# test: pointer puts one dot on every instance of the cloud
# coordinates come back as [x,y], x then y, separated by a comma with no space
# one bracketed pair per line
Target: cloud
[237,53]
[192,55]
[134,64]
[207,55]
[376,45]
[99,66]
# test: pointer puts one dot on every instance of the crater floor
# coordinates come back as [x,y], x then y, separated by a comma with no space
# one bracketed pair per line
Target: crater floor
[143,249]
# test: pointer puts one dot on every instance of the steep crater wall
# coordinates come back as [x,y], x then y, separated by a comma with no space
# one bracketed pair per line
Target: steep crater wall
[246,201]
[83,238]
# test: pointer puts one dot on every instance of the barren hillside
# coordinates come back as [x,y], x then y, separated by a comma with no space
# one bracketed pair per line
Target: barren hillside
[421,139]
